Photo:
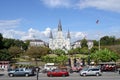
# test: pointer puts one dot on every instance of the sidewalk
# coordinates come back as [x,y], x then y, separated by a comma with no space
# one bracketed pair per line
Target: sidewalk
[3,72]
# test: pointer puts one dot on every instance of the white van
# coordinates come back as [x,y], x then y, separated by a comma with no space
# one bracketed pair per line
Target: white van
[49,66]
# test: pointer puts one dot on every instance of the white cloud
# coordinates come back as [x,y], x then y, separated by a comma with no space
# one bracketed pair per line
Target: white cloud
[36,34]
[6,28]
[111,5]
[46,32]
[56,3]
[12,33]
[44,35]
[9,23]
[77,36]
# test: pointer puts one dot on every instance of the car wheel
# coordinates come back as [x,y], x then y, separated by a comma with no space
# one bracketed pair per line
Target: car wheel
[84,74]
[97,74]
[71,71]
[51,75]
[11,75]
[26,74]
[63,75]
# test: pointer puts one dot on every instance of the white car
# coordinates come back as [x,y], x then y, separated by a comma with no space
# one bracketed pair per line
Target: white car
[90,71]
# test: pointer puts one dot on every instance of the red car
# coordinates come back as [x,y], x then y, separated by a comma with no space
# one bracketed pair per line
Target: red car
[57,73]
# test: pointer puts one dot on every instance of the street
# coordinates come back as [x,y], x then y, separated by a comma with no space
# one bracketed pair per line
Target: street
[73,76]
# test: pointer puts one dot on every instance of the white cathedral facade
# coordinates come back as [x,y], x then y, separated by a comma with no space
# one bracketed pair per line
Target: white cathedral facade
[60,41]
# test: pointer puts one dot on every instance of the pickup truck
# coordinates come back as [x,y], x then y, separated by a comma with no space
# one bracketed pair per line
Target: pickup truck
[20,72]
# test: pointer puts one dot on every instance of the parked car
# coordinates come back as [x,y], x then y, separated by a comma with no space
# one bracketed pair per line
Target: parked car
[58,73]
[48,67]
[90,71]
[108,68]
[21,72]
[75,69]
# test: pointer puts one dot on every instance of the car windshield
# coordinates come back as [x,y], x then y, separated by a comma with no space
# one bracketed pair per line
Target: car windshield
[85,69]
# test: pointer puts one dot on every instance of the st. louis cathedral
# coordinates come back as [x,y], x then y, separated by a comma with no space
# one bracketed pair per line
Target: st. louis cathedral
[59,41]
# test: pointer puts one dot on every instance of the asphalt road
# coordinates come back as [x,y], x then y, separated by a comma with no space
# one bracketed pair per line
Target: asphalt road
[73,76]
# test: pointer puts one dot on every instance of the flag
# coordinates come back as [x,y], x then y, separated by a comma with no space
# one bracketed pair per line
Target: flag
[97,21]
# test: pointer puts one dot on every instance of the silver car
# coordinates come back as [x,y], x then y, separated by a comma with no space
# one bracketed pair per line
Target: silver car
[20,72]
[90,71]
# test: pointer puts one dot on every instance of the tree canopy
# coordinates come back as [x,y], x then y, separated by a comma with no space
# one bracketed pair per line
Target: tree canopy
[1,41]
[15,51]
[58,52]
[104,55]
[36,52]
[5,55]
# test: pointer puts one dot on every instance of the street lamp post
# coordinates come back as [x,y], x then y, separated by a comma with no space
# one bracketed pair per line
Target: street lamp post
[37,70]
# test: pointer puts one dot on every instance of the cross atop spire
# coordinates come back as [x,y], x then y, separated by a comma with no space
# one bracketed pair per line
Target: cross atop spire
[59,26]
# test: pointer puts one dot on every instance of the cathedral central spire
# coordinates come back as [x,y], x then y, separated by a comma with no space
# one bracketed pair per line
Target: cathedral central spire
[59,26]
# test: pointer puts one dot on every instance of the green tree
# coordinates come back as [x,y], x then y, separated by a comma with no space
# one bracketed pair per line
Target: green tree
[71,52]
[117,41]
[36,52]
[8,43]
[59,52]
[95,43]
[15,51]
[84,43]
[60,60]
[84,50]
[12,42]
[5,55]
[21,44]
[104,56]
[107,40]
[1,41]
[94,49]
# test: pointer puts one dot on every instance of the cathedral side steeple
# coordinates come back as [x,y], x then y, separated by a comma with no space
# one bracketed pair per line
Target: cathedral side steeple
[59,26]
[51,36]
[68,34]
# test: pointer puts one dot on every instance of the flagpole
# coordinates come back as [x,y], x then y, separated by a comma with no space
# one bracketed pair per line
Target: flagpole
[98,36]
[99,42]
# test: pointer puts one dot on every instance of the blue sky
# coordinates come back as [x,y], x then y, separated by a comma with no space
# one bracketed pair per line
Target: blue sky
[23,19]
